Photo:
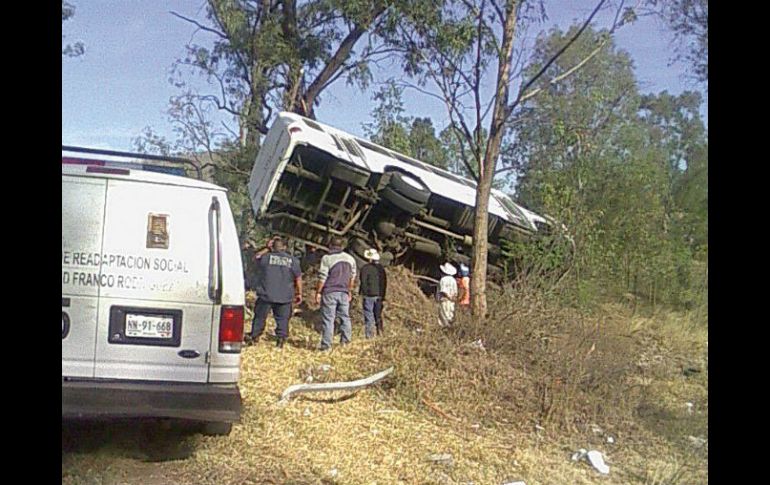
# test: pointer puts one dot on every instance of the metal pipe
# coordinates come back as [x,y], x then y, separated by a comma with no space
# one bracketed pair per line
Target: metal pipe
[323,198]
[303,173]
[315,224]
[468,240]
[304,221]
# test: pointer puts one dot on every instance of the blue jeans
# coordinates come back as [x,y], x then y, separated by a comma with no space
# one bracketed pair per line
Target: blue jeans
[372,315]
[335,304]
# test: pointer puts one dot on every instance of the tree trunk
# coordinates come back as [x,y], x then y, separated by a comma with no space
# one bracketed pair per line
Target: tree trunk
[487,169]
[480,249]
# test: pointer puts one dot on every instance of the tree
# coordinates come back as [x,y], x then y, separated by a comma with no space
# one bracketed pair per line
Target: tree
[459,52]
[266,56]
[70,50]
[689,21]
[613,165]
[280,55]
[412,136]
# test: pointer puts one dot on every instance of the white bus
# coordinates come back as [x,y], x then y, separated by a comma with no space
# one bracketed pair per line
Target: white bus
[312,182]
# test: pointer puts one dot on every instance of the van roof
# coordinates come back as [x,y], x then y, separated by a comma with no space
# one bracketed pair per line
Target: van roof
[135,176]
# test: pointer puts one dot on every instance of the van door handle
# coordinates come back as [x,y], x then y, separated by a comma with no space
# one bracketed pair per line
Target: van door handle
[215,270]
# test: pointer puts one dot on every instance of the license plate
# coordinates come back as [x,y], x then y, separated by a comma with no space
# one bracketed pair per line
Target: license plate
[149,326]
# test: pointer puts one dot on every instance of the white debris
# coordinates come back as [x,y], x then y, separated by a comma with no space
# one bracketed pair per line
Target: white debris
[309,379]
[579,454]
[596,459]
[325,368]
[539,428]
[690,407]
[478,344]
[610,439]
[333,472]
[597,429]
[307,412]
[696,441]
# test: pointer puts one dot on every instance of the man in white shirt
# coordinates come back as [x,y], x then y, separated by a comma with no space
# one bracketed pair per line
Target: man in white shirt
[446,295]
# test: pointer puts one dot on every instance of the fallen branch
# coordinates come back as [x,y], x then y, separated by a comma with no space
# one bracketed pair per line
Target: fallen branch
[437,410]
[334,386]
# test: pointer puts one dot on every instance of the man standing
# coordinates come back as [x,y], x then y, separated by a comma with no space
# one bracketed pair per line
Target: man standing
[446,295]
[373,285]
[464,285]
[335,285]
[278,284]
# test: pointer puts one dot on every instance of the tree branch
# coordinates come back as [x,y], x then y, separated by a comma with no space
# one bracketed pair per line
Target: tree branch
[520,97]
[334,63]
[199,25]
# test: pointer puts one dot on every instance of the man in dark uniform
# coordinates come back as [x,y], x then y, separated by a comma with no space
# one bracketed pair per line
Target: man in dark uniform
[278,284]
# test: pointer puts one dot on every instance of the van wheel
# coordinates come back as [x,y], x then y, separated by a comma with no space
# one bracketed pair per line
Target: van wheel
[355,176]
[400,202]
[216,428]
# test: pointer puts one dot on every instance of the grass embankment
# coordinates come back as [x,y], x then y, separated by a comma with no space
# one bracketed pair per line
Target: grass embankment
[510,400]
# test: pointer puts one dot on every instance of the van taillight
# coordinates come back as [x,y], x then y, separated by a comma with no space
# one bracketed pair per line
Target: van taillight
[231,329]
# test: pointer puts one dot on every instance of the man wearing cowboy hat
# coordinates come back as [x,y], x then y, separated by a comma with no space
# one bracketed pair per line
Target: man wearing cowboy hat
[446,295]
[374,282]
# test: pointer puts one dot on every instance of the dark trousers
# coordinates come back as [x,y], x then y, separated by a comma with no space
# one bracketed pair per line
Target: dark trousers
[281,313]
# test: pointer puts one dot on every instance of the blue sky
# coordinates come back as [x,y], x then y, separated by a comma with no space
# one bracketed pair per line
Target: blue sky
[121,83]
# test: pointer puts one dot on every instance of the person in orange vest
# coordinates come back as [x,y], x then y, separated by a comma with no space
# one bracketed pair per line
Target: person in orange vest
[464,285]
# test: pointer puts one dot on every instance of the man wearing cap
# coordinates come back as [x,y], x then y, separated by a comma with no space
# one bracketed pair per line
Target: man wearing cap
[373,285]
[446,295]
[278,285]
[335,285]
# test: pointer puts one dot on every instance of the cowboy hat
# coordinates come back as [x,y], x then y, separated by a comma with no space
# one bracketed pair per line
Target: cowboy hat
[372,254]
[447,268]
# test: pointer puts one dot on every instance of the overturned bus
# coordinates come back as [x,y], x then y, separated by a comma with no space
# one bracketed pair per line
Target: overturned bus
[311,182]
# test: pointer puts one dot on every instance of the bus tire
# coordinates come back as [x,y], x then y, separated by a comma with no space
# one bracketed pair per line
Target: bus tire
[400,202]
[407,185]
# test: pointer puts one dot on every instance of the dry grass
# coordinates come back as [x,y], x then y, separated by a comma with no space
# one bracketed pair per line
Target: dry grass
[544,382]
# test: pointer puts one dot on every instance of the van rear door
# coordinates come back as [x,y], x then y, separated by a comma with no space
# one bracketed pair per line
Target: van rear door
[156,308]
[82,214]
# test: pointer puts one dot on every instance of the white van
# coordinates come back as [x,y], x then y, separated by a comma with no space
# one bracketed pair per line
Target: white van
[152,297]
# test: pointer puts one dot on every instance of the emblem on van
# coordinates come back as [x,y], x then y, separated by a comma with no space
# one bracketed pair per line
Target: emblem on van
[157,231]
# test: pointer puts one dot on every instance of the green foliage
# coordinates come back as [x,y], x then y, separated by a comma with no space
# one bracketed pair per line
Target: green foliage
[70,50]
[688,20]
[265,56]
[412,136]
[625,172]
